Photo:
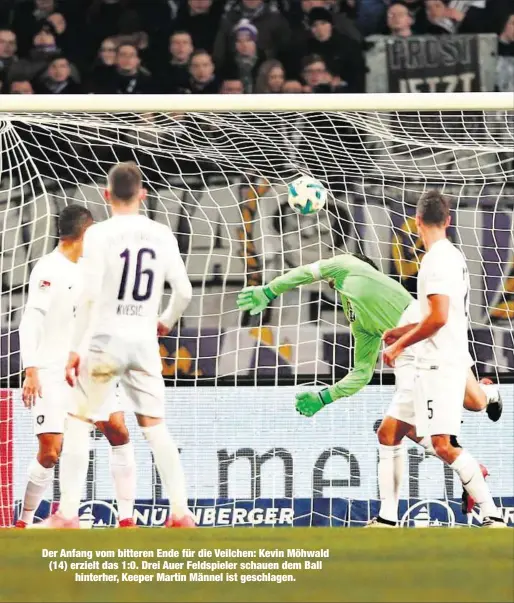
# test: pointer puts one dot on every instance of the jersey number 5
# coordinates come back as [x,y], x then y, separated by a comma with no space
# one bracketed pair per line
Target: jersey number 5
[138,293]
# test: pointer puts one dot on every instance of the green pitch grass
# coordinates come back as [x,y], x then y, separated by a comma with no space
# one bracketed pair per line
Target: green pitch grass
[364,565]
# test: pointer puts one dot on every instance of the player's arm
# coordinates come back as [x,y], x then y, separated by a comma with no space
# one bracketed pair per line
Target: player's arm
[392,335]
[436,318]
[182,291]
[41,291]
[367,348]
[255,299]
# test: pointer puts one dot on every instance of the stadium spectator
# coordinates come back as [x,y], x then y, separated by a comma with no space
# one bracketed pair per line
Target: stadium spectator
[202,76]
[505,64]
[399,20]
[299,17]
[343,57]
[273,29]
[314,72]
[201,19]
[8,56]
[128,76]
[270,77]
[103,67]
[232,87]
[44,43]
[174,75]
[292,87]
[28,19]
[20,87]
[246,58]
[57,79]
[319,79]
[453,16]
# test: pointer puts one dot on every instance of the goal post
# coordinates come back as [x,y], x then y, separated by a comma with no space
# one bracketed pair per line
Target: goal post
[216,169]
[219,103]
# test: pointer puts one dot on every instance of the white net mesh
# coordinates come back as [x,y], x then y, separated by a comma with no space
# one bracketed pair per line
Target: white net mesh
[219,181]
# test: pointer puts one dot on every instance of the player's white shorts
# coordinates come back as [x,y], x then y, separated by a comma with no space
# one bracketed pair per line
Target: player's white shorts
[135,361]
[438,396]
[49,412]
[414,381]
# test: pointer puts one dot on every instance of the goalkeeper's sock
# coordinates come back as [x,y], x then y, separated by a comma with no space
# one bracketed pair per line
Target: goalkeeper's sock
[73,465]
[169,465]
[473,480]
[39,479]
[390,474]
[123,470]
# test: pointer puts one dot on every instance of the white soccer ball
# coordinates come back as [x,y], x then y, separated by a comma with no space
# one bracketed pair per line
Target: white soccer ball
[306,195]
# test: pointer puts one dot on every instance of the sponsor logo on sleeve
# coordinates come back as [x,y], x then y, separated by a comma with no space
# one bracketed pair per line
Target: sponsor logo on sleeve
[44,284]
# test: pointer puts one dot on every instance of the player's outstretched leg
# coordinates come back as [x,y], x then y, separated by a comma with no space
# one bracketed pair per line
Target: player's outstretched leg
[123,466]
[390,470]
[72,473]
[471,476]
[483,395]
[40,476]
[494,407]
[169,465]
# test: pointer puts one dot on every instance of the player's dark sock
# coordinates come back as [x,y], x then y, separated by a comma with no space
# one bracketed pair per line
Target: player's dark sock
[494,409]
[388,522]
[454,442]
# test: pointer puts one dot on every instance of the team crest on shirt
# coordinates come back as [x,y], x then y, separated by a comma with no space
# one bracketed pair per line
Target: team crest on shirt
[40,419]
[44,284]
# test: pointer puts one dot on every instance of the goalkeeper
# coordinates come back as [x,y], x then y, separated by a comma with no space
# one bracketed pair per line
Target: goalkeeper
[373,303]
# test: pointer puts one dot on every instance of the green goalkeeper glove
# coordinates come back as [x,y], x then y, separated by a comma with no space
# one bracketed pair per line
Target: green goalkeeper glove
[309,403]
[255,299]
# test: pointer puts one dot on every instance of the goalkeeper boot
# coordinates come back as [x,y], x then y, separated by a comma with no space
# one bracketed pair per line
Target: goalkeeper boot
[127,523]
[185,521]
[468,502]
[378,522]
[494,407]
[20,525]
[59,522]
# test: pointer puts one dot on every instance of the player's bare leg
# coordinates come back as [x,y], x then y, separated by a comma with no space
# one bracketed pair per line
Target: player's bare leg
[40,475]
[72,473]
[123,466]
[470,474]
[169,465]
[390,470]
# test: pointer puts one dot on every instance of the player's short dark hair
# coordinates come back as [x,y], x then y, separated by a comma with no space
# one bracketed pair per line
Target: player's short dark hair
[364,258]
[124,180]
[73,221]
[433,208]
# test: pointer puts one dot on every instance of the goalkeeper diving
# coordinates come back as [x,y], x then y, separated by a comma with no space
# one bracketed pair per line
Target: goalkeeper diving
[373,304]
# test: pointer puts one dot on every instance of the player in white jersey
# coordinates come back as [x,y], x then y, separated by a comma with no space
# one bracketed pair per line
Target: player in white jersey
[441,347]
[127,260]
[45,337]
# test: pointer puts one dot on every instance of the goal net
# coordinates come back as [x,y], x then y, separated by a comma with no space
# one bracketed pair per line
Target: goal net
[218,179]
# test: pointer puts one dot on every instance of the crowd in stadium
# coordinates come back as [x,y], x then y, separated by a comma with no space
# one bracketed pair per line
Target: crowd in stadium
[226,46]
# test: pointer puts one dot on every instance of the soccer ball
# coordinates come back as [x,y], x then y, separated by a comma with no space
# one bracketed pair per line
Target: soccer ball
[306,195]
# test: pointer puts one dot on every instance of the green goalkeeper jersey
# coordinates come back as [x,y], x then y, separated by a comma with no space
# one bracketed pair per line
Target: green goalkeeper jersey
[372,303]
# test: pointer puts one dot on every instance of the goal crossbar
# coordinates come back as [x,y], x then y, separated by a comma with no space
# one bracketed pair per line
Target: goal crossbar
[117,103]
